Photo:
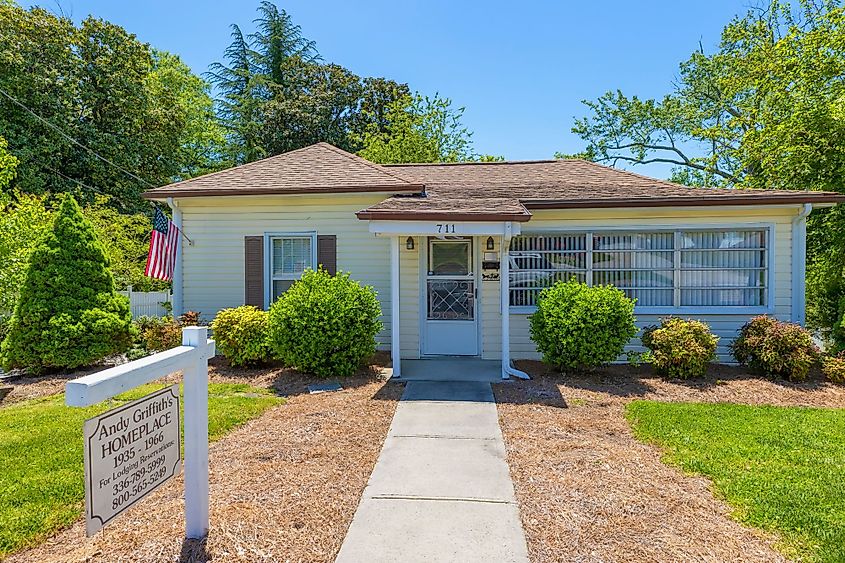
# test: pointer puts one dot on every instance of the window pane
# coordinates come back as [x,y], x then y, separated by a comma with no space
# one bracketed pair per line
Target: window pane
[637,260]
[449,258]
[634,241]
[281,286]
[723,297]
[652,297]
[723,239]
[291,256]
[451,300]
[723,268]
[539,261]
[635,278]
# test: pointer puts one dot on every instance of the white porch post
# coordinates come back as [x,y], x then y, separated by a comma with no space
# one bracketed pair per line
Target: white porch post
[504,281]
[176,303]
[394,307]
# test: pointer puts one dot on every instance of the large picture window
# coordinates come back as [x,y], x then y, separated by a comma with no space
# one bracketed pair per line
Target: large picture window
[289,257]
[665,269]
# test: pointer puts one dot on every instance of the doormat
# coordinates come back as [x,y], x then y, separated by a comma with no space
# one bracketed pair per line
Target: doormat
[324,387]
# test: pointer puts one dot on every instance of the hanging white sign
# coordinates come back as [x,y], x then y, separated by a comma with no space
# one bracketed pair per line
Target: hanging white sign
[129,452]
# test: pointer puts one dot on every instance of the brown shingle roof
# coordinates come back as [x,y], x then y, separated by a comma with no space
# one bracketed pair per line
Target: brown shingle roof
[319,168]
[467,191]
[560,184]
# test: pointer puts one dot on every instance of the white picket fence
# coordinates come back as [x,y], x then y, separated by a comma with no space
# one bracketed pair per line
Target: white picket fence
[147,303]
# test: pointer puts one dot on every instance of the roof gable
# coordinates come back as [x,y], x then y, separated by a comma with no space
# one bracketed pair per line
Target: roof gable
[319,168]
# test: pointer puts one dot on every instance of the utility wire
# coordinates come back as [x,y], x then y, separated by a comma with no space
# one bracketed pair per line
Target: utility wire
[86,186]
[74,141]
[90,150]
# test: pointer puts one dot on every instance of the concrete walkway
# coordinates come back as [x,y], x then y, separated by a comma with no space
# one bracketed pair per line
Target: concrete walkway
[440,490]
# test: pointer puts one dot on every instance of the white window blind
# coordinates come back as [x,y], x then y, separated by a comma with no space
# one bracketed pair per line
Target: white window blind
[666,269]
[289,257]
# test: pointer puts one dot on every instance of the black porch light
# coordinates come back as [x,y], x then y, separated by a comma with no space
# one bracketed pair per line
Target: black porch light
[490,244]
[409,243]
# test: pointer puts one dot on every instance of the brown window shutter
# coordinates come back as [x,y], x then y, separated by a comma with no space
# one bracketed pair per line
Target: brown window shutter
[254,271]
[327,252]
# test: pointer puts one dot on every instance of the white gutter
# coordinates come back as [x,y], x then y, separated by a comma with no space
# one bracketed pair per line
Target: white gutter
[504,271]
[177,302]
[799,264]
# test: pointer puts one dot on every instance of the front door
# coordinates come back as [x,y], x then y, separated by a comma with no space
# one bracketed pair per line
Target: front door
[450,314]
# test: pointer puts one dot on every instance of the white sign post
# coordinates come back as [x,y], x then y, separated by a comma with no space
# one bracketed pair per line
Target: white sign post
[192,359]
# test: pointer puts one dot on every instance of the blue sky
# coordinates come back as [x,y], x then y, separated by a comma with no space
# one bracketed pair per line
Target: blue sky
[521,69]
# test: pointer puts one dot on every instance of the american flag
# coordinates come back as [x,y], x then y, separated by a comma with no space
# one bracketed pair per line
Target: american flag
[163,244]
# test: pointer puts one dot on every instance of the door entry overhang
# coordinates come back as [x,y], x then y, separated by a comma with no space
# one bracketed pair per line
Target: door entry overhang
[444,228]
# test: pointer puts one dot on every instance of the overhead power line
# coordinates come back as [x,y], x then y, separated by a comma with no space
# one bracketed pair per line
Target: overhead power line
[74,141]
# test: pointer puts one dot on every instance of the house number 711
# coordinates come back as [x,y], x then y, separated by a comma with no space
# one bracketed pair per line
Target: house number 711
[445,227]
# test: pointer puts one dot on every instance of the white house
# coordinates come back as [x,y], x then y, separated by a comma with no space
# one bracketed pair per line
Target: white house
[450,247]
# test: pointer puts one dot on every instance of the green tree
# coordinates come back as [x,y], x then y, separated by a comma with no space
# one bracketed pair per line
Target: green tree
[277,95]
[417,129]
[765,110]
[68,314]
[141,110]
[25,218]
[8,164]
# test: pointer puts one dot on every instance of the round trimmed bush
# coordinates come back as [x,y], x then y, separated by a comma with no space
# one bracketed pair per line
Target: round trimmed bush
[775,348]
[577,326]
[324,324]
[680,348]
[240,334]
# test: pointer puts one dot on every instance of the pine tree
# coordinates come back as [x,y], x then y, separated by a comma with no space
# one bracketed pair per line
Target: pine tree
[68,313]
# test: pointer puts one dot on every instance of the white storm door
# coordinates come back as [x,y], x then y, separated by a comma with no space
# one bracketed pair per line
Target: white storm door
[450,316]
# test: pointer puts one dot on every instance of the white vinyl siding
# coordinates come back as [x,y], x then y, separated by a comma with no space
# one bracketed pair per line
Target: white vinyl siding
[723,321]
[213,267]
[664,270]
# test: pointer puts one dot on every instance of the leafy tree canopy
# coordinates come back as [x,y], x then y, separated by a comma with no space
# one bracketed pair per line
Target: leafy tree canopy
[25,218]
[8,164]
[418,129]
[276,93]
[139,108]
[765,110]
[68,313]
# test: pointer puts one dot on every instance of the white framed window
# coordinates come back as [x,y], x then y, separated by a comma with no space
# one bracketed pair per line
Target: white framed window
[287,255]
[666,270]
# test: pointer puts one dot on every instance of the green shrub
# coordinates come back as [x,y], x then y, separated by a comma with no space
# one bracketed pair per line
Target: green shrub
[158,334]
[680,348]
[775,348]
[241,335]
[578,326]
[833,368]
[68,313]
[324,324]
[5,320]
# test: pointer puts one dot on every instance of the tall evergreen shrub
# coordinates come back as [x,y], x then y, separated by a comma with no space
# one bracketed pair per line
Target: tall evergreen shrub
[68,313]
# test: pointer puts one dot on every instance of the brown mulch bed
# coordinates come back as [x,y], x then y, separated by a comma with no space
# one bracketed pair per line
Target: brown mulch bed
[589,491]
[283,487]
[33,387]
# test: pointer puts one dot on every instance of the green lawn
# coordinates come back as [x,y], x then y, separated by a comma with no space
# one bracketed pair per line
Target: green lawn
[41,468]
[781,468]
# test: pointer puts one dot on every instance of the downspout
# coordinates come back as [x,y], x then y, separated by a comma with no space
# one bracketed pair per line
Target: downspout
[507,365]
[799,264]
[177,269]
